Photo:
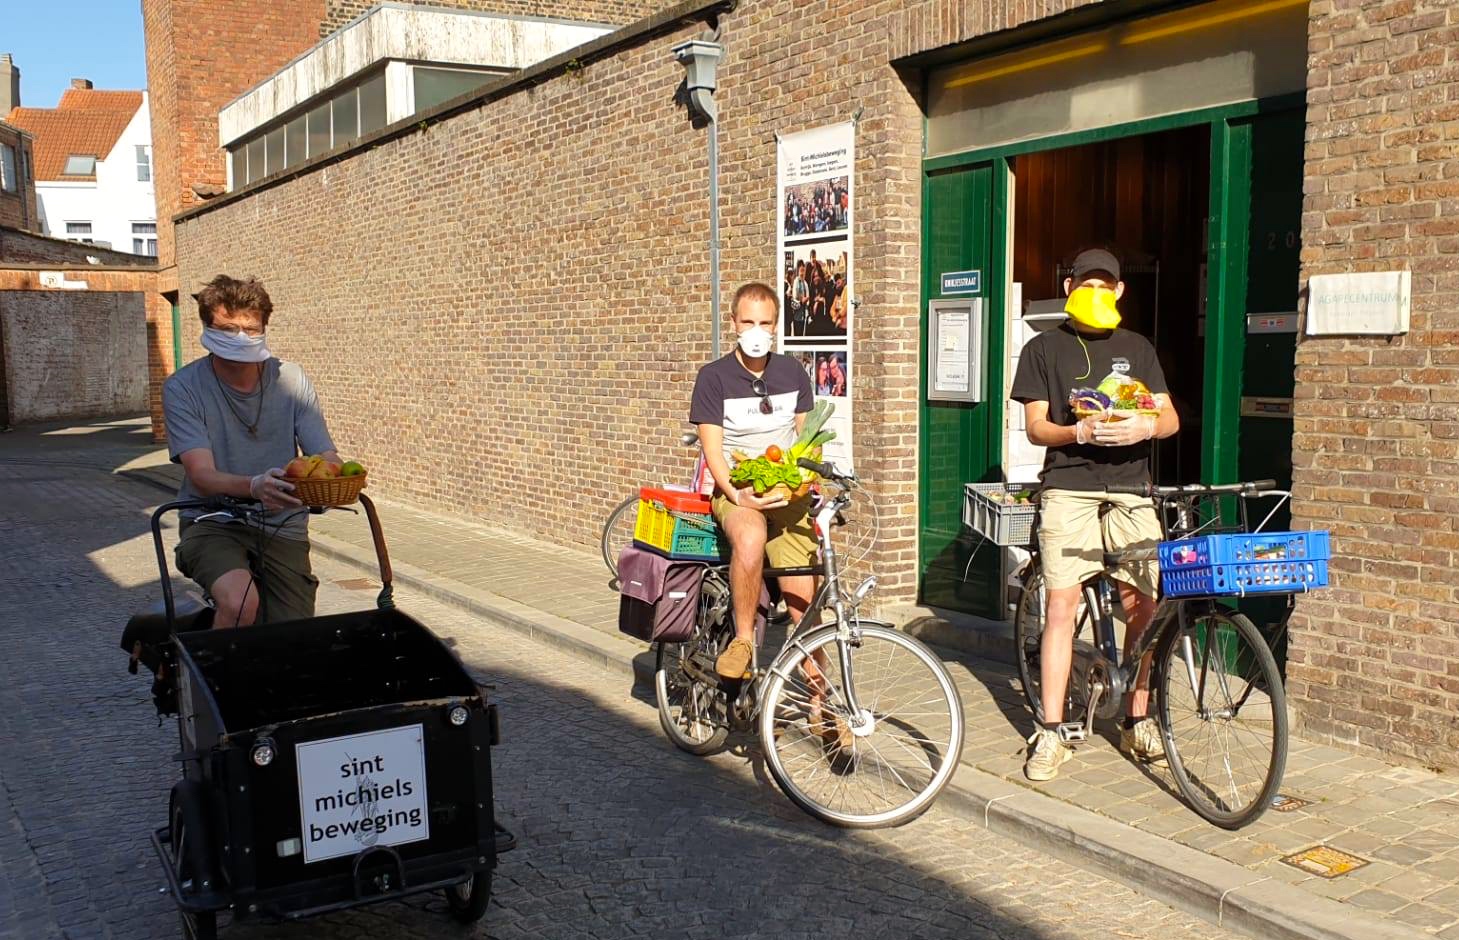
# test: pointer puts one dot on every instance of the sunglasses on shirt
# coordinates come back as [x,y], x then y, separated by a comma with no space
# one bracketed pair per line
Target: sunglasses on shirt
[758,387]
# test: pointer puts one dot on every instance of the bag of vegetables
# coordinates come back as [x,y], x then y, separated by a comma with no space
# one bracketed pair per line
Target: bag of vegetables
[1116,398]
[777,470]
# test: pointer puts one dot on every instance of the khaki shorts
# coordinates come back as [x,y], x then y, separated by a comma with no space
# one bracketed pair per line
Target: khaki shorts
[1073,537]
[790,541]
[209,550]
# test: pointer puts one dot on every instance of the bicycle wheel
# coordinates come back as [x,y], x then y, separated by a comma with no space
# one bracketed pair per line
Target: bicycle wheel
[618,532]
[899,757]
[1224,715]
[694,714]
[1028,637]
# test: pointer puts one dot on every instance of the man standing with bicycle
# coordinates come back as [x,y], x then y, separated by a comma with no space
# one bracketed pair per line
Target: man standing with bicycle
[234,419]
[1078,520]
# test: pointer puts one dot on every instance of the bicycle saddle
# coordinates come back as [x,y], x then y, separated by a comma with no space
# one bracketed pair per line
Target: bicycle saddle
[145,633]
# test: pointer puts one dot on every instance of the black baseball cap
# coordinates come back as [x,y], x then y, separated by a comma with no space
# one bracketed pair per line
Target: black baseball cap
[1094,259]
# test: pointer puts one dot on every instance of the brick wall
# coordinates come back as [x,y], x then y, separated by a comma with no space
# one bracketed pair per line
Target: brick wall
[616,12]
[18,209]
[74,353]
[29,248]
[1375,662]
[534,315]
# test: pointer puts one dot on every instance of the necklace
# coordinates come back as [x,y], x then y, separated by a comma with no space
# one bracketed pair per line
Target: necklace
[228,398]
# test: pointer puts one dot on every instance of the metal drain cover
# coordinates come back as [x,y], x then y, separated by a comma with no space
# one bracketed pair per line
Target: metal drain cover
[1325,861]
[1285,803]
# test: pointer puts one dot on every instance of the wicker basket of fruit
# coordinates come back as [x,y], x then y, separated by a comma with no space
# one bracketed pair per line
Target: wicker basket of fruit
[320,482]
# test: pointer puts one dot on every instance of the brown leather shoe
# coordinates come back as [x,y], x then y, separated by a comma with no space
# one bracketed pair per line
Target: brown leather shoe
[734,662]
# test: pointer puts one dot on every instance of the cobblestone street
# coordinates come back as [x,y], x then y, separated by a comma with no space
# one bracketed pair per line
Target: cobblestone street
[620,835]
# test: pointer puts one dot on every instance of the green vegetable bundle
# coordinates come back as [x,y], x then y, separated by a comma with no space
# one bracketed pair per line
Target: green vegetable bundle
[765,474]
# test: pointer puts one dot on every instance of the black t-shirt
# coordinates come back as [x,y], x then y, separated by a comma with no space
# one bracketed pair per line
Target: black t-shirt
[723,395]
[1052,365]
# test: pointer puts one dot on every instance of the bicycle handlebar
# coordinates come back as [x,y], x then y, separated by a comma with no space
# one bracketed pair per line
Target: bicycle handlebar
[827,470]
[1151,491]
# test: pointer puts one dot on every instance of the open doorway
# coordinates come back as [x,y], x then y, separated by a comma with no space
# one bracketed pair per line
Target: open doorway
[1146,198]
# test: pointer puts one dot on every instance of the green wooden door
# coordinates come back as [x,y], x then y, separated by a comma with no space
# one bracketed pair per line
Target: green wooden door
[959,443]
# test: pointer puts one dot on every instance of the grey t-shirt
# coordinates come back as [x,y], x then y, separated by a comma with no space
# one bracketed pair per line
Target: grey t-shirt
[198,416]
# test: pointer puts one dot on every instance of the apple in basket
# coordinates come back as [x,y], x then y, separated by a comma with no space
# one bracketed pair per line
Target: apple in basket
[313,467]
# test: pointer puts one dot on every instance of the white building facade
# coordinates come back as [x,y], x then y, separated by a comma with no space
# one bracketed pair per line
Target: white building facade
[115,207]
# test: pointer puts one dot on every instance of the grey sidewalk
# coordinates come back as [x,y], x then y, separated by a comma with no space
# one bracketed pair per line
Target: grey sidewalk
[1102,812]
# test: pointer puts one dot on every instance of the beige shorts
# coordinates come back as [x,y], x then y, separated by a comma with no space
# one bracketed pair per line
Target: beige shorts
[790,540]
[1073,537]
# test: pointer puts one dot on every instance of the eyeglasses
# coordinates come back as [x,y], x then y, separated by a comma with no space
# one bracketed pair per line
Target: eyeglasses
[758,387]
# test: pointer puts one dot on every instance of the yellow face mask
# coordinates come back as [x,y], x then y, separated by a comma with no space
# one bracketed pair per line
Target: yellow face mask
[1094,307]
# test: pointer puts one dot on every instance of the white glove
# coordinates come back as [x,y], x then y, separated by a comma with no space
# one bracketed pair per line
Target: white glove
[271,489]
[1084,430]
[1123,433]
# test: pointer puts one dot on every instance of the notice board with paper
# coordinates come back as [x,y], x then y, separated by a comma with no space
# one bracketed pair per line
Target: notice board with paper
[954,347]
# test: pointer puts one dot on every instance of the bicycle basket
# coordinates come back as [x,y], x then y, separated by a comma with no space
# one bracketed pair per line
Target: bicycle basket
[1002,523]
[1238,564]
[678,525]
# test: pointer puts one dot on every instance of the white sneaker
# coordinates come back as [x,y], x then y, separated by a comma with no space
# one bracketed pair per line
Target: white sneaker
[1047,754]
[1143,742]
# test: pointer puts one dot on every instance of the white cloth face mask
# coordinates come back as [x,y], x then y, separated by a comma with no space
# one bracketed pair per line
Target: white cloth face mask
[235,347]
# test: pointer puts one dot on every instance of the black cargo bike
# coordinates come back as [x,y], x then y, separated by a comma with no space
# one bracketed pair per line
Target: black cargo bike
[327,763]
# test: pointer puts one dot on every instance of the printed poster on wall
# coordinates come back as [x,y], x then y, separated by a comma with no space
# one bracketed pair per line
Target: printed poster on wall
[816,199]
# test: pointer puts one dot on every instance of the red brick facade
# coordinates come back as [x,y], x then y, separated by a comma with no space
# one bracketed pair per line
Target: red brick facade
[201,54]
[18,209]
[1375,662]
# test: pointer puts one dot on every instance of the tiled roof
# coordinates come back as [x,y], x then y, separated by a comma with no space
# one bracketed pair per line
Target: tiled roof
[88,122]
[94,99]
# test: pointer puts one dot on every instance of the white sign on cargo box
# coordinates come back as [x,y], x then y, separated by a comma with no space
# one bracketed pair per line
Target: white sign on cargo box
[362,790]
[1373,303]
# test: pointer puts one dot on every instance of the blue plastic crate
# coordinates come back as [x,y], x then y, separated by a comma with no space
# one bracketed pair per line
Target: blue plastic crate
[1234,565]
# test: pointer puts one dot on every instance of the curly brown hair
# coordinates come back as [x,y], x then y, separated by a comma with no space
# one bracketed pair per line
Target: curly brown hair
[232,294]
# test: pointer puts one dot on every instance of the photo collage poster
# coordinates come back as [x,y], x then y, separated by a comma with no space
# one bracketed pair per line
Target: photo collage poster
[816,196]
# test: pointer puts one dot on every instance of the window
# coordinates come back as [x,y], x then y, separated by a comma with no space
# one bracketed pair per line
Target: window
[8,181]
[144,164]
[255,159]
[273,145]
[295,145]
[144,238]
[79,164]
[239,160]
[79,232]
[433,86]
[347,118]
[319,130]
[372,105]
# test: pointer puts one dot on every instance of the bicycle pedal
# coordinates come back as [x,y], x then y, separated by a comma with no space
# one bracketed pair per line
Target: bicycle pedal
[1072,732]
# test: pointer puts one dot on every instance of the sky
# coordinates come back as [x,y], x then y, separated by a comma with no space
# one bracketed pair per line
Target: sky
[55,42]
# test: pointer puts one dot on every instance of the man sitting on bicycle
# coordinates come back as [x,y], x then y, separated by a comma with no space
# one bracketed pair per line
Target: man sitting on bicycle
[1078,520]
[234,419]
[747,401]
